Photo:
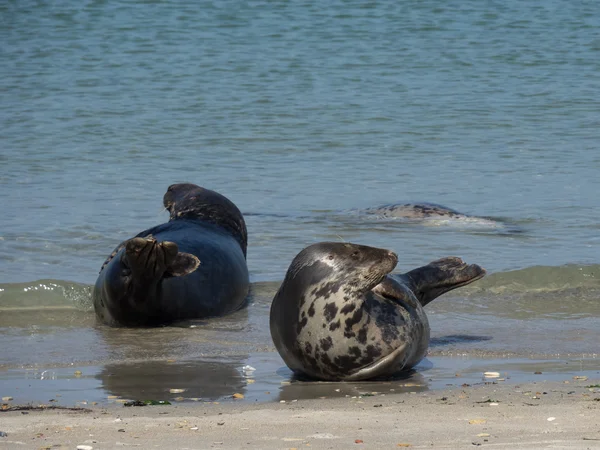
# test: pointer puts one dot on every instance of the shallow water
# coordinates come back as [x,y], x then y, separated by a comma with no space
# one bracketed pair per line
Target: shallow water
[492,325]
[304,114]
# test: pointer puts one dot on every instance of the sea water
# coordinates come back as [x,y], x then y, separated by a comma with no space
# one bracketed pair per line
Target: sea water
[303,114]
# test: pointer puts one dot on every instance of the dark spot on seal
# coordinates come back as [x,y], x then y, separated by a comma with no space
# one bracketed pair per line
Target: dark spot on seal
[355,351]
[301,325]
[308,347]
[326,343]
[389,334]
[330,311]
[326,290]
[311,310]
[347,362]
[302,300]
[373,352]
[325,359]
[348,308]
[312,362]
[362,336]
[335,325]
[356,317]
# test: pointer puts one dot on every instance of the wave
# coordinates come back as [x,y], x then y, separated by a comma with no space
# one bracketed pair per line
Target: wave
[46,294]
[537,283]
[539,279]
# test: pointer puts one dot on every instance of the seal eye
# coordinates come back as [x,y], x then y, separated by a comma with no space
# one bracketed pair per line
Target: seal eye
[330,257]
[125,272]
[355,254]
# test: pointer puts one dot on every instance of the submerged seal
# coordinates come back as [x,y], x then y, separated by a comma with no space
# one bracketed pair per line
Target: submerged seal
[339,315]
[190,267]
[432,214]
[415,211]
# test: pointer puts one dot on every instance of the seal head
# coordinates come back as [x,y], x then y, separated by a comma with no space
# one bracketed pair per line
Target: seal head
[192,202]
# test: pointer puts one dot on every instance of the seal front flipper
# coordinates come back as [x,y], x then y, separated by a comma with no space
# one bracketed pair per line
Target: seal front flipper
[146,258]
[394,290]
[438,277]
[392,363]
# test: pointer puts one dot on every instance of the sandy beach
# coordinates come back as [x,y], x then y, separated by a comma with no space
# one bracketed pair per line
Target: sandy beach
[533,415]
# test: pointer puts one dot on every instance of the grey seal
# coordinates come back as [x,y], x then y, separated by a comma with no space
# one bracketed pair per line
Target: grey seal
[415,211]
[191,267]
[339,315]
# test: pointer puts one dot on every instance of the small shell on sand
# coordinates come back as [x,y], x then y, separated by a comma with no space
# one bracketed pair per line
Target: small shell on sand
[491,374]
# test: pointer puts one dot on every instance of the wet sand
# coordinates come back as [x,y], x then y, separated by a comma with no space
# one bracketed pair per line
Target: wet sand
[546,414]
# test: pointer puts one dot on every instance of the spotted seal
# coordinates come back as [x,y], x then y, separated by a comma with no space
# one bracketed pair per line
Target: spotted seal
[414,211]
[193,266]
[339,315]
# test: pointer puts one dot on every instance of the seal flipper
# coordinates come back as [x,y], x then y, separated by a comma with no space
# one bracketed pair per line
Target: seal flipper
[148,259]
[383,366]
[393,290]
[185,263]
[440,276]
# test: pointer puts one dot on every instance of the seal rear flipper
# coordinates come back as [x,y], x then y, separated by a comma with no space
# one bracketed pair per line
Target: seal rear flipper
[184,264]
[381,367]
[148,259]
[440,276]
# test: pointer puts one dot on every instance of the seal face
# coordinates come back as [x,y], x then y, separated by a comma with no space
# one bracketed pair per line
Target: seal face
[339,316]
[190,267]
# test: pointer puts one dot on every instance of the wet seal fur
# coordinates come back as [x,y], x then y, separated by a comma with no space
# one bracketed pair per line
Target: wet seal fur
[339,315]
[193,266]
[415,211]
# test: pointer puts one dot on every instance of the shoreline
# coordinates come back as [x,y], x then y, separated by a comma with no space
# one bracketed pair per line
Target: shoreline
[263,378]
[502,415]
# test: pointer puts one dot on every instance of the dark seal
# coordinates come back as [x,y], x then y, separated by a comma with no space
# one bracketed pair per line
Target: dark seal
[193,266]
[339,315]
